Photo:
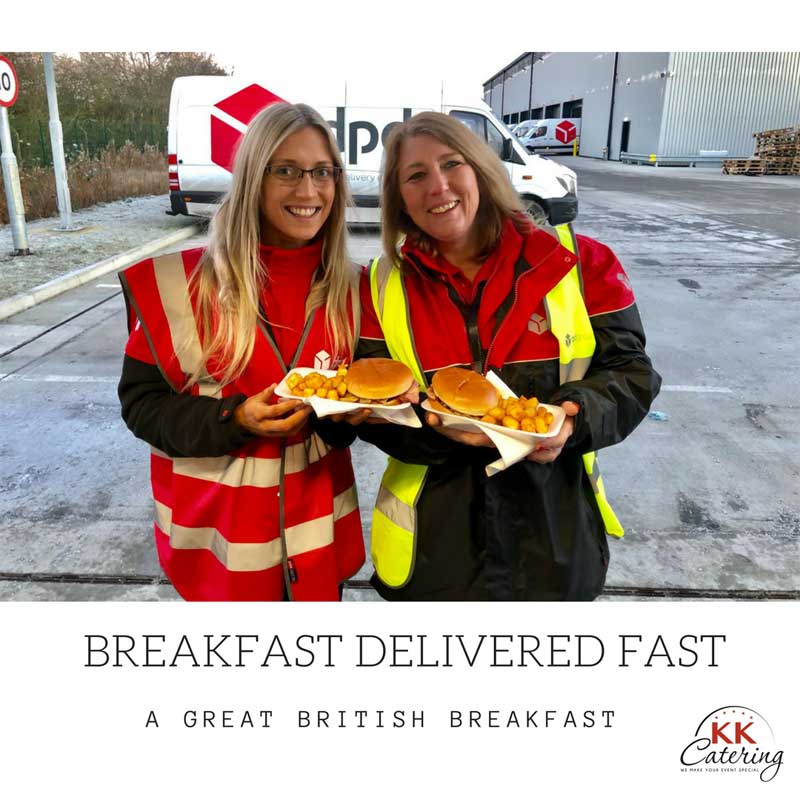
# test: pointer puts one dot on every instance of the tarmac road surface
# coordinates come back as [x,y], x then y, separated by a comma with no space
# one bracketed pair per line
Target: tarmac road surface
[707,487]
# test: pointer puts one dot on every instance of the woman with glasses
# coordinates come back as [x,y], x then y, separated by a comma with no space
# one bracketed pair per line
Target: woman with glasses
[468,280]
[250,503]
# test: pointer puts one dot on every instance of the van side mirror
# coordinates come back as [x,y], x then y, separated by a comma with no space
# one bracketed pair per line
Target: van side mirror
[508,150]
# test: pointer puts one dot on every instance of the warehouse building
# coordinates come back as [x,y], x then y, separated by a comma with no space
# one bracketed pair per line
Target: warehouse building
[670,104]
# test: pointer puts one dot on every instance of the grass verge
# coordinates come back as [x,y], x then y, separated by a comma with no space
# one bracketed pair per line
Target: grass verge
[116,173]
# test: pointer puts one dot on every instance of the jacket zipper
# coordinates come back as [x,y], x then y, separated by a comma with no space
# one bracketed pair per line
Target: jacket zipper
[494,338]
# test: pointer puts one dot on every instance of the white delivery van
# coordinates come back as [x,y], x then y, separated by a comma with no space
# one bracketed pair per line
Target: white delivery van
[551,135]
[208,114]
[522,129]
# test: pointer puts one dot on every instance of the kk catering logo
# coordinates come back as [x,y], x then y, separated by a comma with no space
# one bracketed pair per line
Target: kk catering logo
[733,740]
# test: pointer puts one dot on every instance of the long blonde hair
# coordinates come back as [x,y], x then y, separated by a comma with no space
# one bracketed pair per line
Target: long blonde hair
[499,200]
[229,276]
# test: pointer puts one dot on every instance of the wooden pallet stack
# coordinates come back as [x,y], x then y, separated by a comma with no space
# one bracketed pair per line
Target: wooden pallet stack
[777,153]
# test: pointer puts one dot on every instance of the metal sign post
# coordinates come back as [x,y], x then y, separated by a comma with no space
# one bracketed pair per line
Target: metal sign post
[57,145]
[9,89]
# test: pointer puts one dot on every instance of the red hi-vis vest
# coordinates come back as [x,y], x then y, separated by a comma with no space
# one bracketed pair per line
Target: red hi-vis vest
[276,516]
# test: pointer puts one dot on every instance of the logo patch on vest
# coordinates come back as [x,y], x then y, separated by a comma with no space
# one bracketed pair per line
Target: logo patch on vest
[538,324]
[623,279]
[322,360]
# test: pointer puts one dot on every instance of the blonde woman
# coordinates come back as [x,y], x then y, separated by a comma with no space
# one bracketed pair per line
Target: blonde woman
[250,503]
[467,280]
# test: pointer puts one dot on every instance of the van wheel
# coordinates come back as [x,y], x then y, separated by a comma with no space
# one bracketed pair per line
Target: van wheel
[535,211]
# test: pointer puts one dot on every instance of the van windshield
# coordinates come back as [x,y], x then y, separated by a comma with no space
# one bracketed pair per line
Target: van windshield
[474,122]
[483,128]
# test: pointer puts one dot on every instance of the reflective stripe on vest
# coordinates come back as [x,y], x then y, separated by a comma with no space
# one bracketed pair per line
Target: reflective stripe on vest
[570,324]
[569,319]
[256,556]
[394,520]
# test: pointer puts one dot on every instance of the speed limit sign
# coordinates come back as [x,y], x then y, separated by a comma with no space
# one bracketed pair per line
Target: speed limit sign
[9,87]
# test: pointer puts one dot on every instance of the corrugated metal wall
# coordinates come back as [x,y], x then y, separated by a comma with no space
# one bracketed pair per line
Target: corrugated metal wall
[639,101]
[557,78]
[586,76]
[517,87]
[717,101]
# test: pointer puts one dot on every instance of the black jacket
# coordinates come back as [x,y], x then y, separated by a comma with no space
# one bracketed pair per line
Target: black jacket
[533,531]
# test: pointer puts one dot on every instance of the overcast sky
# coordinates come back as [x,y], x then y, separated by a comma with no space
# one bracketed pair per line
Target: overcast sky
[421,77]
[404,44]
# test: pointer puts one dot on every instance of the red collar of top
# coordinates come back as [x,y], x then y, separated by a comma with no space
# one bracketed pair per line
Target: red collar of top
[546,260]
[283,296]
[504,255]
[298,263]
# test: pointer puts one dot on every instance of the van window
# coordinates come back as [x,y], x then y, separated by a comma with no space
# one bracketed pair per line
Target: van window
[540,131]
[494,139]
[482,128]
[475,122]
[522,129]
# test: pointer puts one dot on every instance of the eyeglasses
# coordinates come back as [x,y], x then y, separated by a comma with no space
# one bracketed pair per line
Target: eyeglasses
[292,175]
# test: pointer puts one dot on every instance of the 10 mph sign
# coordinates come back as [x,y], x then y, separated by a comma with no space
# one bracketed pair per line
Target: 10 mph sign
[9,87]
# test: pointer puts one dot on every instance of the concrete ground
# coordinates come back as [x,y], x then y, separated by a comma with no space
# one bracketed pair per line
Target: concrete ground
[707,487]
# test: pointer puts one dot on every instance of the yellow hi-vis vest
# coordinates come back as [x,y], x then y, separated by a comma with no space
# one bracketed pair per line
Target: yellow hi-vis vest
[394,520]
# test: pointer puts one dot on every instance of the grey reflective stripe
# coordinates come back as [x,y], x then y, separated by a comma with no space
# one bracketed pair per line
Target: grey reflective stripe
[173,290]
[298,456]
[549,320]
[345,503]
[575,370]
[309,535]
[355,306]
[384,269]
[208,387]
[396,510]
[251,470]
[249,556]
[236,557]
[230,470]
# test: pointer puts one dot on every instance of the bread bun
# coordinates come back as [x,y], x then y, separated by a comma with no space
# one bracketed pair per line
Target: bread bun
[464,391]
[378,378]
[435,405]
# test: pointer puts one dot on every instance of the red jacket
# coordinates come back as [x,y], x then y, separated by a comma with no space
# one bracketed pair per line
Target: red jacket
[272,516]
[442,338]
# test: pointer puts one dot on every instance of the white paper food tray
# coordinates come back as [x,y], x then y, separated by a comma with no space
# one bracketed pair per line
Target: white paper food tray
[513,445]
[401,414]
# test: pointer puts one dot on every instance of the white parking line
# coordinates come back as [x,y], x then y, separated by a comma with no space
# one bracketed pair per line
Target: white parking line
[14,376]
[100,379]
[700,389]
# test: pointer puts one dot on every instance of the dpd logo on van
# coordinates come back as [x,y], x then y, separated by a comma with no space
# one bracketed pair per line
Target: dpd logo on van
[354,137]
[242,107]
[565,131]
[733,740]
